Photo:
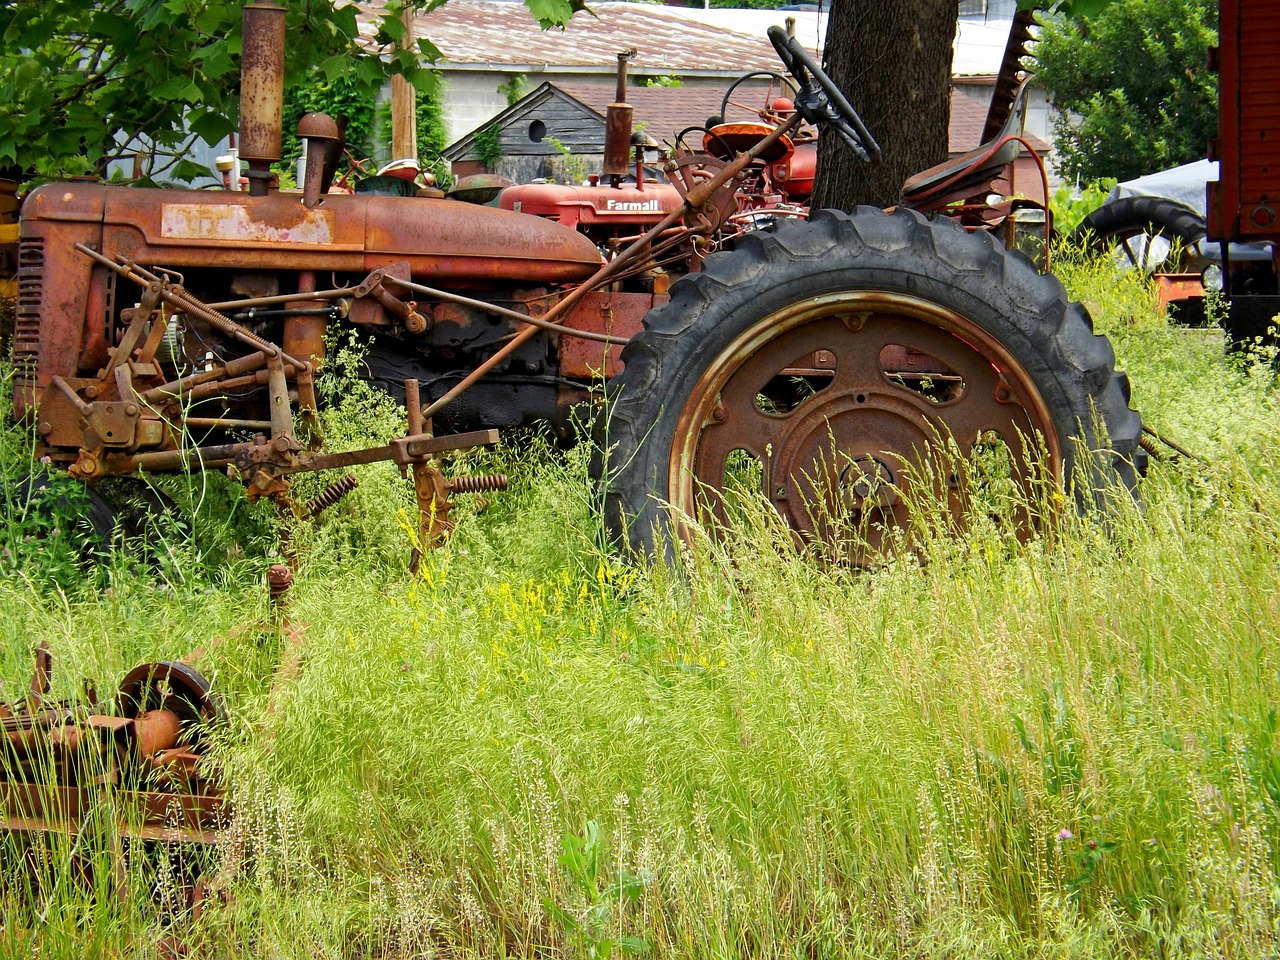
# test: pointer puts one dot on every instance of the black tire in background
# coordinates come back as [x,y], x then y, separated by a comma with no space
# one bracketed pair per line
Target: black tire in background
[715,368]
[1151,234]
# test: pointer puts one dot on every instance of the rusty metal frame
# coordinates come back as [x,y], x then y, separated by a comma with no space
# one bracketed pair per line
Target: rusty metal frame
[121,434]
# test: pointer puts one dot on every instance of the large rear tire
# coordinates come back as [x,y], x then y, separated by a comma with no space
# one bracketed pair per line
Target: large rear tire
[830,357]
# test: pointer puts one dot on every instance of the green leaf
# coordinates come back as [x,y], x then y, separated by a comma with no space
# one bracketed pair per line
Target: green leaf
[629,885]
[598,915]
[393,28]
[344,20]
[211,126]
[550,13]
[65,141]
[169,89]
[429,50]
[559,915]
[215,60]
[633,944]
[1027,744]
[334,67]
[187,171]
[113,27]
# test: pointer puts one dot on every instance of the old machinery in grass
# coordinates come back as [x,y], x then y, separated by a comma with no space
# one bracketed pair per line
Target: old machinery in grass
[823,360]
[1214,223]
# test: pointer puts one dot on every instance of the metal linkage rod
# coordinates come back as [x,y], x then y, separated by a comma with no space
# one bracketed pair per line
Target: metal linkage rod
[188,304]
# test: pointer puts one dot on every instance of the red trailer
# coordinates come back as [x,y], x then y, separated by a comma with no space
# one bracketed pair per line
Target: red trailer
[1244,203]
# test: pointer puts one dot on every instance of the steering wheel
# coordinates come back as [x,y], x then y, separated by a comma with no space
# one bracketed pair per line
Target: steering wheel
[822,103]
[785,87]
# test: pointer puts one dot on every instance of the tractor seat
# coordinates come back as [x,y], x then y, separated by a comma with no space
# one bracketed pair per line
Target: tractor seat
[978,166]
[726,140]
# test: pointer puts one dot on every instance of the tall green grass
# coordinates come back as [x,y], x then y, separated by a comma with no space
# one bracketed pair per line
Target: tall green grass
[1065,748]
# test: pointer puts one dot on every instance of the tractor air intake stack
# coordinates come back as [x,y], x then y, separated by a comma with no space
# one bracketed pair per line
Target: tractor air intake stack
[261,90]
[617,128]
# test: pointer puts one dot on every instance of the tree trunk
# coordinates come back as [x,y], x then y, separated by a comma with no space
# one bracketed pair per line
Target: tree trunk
[892,58]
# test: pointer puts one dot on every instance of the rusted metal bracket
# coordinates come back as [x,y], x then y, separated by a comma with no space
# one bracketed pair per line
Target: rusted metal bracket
[144,748]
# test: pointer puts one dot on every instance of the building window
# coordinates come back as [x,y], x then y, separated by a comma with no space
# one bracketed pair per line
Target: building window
[537,131]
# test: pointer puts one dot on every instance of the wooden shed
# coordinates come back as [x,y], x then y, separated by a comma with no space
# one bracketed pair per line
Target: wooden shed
[535,137]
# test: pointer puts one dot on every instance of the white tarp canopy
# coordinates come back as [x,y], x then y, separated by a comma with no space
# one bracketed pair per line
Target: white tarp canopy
[1186,184]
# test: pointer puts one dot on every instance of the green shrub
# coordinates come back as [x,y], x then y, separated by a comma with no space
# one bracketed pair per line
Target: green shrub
[1132,85]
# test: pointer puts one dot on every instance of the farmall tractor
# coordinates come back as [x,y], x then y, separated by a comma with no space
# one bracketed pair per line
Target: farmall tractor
[823,361]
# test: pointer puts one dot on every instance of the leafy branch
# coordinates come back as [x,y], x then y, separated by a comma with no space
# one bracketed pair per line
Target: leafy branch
[78,75]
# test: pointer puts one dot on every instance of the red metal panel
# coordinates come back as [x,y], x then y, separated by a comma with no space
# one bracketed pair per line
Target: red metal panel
[53,302]
[572,206]
[1245,202]
[1259,118]
[617,314]
[438,238]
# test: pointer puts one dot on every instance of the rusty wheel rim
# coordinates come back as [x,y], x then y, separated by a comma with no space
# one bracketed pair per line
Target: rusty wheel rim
[839,400]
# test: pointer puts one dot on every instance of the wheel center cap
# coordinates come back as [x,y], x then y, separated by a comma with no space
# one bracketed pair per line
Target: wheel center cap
[868,482]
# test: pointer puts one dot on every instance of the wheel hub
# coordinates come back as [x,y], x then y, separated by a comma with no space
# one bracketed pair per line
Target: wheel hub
[833,469]
[839,402]
[868,482]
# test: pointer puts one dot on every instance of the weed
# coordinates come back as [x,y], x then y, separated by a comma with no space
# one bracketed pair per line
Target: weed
[589,928]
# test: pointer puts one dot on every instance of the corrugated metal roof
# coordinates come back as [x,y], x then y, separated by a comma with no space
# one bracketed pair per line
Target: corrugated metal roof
[483,32]
[664,111]
[667,39]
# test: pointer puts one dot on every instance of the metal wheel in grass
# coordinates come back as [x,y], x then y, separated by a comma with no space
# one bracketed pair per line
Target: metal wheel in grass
[823,367]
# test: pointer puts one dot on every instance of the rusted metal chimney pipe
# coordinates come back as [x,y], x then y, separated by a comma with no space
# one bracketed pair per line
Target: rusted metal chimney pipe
[261,90]
[617,126]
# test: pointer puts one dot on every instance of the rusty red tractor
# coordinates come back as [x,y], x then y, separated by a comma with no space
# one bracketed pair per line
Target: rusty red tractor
[822,359]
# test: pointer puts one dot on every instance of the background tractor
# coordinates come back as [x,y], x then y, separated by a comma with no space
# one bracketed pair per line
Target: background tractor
[1214,223]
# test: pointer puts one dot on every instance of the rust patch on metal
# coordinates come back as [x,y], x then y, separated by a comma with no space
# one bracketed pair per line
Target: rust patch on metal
[208,221]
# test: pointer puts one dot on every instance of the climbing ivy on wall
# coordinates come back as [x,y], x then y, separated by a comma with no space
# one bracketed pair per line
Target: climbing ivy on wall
[488,145]
[346,96]
[513,88]
[368,121]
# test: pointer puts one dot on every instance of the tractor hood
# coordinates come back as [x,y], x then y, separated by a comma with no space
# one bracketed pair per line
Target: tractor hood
[445,242]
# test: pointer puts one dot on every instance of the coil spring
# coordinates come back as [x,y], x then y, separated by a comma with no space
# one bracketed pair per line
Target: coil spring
[331,494]
[479,483]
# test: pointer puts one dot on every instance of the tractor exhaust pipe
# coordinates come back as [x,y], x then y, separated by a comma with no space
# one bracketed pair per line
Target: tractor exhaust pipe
[617,127]
[261,90]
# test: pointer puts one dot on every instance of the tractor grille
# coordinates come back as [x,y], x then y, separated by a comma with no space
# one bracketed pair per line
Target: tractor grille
[26,324]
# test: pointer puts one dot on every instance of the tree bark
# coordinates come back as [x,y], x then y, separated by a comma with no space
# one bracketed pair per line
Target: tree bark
[892,58]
